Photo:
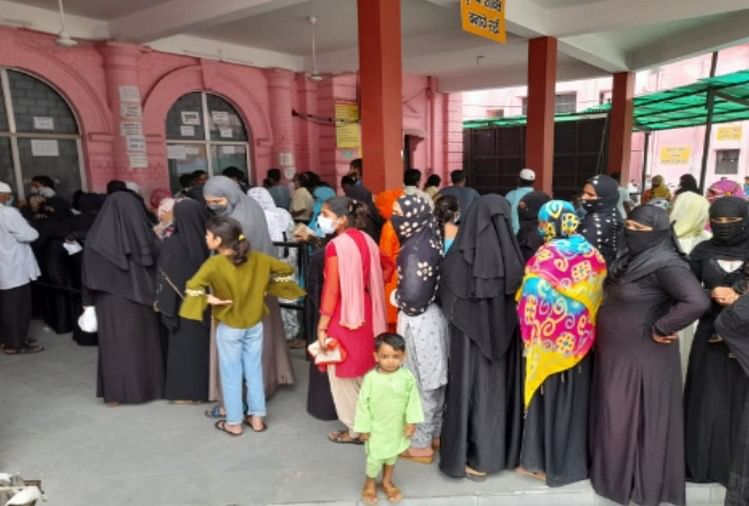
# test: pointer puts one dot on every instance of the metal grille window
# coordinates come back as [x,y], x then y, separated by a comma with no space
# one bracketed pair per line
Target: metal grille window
[38,135]
[205,132]
[566,102]
[727,161]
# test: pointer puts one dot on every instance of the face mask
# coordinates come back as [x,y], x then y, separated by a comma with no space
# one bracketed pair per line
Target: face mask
[327,225]
[10,202]
[725,232]
[592,206]
[218,209]
[639,241]
[47,192]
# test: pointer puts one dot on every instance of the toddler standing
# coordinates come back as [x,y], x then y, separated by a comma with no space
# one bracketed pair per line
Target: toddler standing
[386,415]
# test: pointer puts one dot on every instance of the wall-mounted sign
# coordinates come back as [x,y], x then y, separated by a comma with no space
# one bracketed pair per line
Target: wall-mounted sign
[44,147]
[129,94]
[187,131]
[676,155]
[726,133]
[130,111]
[135,143]
[226,133]
[220,117]
[485,18]
[138,160]
[191,117]
[348,129]
[131,128]
[44,123]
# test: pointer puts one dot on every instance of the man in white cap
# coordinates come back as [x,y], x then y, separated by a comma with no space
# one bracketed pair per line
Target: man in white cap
[525,185]
[18,268]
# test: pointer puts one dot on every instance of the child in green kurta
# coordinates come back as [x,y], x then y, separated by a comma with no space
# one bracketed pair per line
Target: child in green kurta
[386,415]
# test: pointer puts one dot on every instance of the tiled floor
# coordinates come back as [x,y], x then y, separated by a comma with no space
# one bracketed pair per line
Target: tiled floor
[52,427]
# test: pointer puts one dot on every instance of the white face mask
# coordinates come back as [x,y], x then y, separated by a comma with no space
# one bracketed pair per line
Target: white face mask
[327,225]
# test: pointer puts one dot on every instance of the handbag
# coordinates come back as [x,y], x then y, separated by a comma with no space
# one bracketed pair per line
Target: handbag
[87,321]
[334,353]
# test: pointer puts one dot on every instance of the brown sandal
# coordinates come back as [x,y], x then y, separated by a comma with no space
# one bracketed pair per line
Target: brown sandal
[24,349]
[393,493]
[221,425]
[248,422]
[342,437]
[369,496]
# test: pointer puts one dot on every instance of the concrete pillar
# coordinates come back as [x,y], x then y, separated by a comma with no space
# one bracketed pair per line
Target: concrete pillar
[281,102]
[539,134]
[381,96]
[620,124]
[121,69]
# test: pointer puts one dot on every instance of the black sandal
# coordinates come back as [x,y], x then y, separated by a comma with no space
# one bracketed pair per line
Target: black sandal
[221,425]
[25,349]
[343,438]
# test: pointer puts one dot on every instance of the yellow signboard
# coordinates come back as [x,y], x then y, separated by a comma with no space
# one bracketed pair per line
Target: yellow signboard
[728,133]
[348,129]
[676,155]
[485,18]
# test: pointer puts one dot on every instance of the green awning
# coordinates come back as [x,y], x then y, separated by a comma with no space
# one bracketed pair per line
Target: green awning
[685,106]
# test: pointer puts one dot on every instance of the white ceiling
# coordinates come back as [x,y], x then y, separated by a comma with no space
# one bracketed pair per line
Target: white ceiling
[596,37]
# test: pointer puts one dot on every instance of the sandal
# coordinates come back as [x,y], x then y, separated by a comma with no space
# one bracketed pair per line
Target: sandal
[248,422]
[24,349]
[297,344]
[420,459]
[221,425]
[369,496]
[214,412]
[475,475]
[393,493]
[342,437]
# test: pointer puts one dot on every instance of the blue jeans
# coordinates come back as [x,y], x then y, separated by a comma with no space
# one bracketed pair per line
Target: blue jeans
[240,354]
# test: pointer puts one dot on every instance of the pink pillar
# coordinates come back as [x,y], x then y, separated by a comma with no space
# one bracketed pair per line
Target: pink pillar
[453,127]
[309,129]
[281,102]
[121,69]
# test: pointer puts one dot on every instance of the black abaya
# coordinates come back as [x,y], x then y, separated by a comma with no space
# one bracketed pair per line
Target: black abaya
[637,439]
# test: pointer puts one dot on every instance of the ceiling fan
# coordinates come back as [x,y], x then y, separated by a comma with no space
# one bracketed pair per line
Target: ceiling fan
[63,38]
[315,75]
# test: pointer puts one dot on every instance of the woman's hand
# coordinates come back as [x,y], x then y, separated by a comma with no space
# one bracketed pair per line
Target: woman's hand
[322,338]
[215,301]
[724,295]
[664,339]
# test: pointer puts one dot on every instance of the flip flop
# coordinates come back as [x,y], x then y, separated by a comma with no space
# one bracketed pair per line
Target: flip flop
[214,412]
[248,423]
[342,438]
[221,425]
[23,350]
[420,459]
[475,476]
[370,498]
[393,494]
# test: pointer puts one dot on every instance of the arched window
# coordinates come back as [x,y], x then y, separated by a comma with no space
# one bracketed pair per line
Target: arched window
[205,132]
[38,135]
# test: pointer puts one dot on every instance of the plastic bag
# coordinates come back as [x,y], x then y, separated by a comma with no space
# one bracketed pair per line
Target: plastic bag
[87,321]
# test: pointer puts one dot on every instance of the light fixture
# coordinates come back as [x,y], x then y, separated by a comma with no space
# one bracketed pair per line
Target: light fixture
[63,38]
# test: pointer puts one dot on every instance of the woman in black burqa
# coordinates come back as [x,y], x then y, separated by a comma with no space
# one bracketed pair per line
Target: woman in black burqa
[528,237]
[733,327]
[483,406]
[180,257]
[637,436]
[119,276]
[602,224]
[716,386]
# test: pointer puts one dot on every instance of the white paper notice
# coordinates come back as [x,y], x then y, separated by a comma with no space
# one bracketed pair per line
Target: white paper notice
[130,111]
[187,131]
[192,150]
[220,117]
[190,117]
[286,159]
[226,133]
[129,94]
[44,123]
[43,147]
[228,150]
[176,152]
[135,143]
[138,160]
[131,128]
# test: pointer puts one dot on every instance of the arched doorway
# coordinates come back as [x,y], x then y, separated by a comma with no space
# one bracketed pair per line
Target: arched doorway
[205,132]
[39,135]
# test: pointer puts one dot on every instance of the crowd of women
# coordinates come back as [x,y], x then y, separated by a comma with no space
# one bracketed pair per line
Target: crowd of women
[558,351]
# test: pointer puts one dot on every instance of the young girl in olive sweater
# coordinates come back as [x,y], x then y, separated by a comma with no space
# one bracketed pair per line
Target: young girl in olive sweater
[238,279]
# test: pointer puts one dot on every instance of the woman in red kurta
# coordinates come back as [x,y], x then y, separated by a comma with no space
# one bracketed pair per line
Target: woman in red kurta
[352,307]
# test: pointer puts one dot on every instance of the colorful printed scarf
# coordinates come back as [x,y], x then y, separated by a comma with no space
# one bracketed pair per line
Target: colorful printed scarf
[559,298]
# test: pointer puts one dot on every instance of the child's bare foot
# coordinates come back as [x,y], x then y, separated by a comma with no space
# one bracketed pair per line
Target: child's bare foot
[369,493]
[392,492]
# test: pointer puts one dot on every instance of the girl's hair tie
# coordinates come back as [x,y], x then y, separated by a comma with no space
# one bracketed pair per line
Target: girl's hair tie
[242,237]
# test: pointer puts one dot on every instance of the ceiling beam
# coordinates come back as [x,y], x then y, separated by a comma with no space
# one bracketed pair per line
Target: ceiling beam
[727,32]
[609,15]
[181,16]
[595,50]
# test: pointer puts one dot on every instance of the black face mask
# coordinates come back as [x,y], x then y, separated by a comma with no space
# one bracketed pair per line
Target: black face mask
[639,241]
[592,206]
[724,233]
[218,209]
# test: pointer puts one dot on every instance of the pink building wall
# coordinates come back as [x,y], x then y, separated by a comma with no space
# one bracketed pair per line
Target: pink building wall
[482,104]
[89,77]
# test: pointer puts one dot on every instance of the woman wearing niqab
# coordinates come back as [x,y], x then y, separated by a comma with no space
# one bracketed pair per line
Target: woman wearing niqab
[528,237]
[637,436]
[243,208]
[558,303]
[716,385]
[602,223]
[180,257]
[483,405]
[119,275]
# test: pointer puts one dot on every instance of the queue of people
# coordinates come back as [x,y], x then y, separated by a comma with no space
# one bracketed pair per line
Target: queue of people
[552,344]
